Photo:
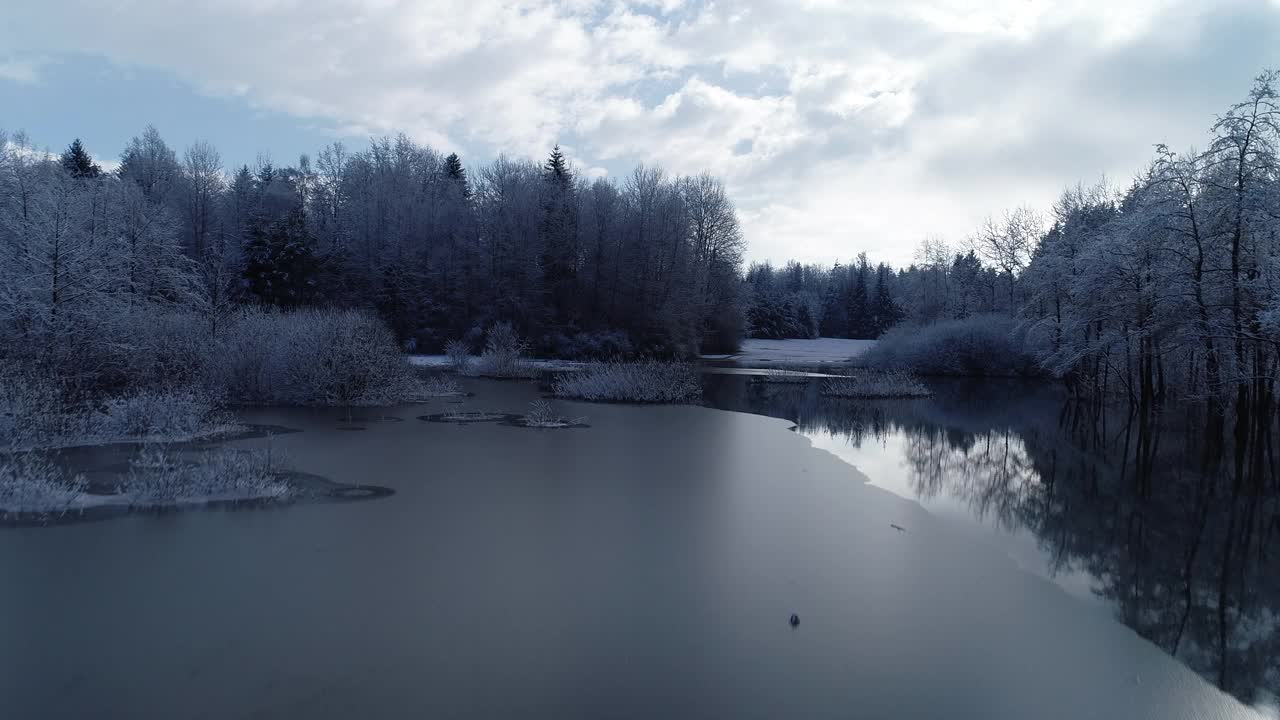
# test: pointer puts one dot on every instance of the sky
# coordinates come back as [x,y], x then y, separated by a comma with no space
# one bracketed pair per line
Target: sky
[839,126]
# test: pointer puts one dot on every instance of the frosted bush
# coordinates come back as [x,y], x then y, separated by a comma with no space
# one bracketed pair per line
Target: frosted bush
[32,409]
[983,345]
[471,416]
[459,354]
[873,384]
[542,415]
[159,478]
[503,352]
[171,415]
[168,348]
[440,386]
[312,357]
[34,412]
[31,483]
[648,381]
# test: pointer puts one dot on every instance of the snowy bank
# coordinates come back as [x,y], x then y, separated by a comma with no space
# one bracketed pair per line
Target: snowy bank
[34,485]
[648,381]
[443,362]
[796,353]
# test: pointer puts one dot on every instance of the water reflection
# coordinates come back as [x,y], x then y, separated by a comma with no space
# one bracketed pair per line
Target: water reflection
[1167,518]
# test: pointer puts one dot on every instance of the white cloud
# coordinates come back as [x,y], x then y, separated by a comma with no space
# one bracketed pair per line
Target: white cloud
[24,71]
[840,125]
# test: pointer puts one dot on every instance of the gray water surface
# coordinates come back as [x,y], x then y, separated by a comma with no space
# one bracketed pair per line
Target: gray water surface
[642,567]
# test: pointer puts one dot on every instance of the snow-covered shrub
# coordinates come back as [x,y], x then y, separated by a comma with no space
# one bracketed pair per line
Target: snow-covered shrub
[32,408]
[983,345]
[459,354]
[648,381]
[472,416]
[311,357]
[503,353]
[167,349]
[169,415]
[159,478]
[35,412]
[31,483]
[542,415]
[441,386]
[875,384]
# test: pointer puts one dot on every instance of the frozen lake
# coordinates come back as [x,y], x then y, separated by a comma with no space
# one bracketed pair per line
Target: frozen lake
[642,567]
[816,352]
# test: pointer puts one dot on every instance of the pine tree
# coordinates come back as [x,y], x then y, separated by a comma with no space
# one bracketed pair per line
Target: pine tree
[557,168]
[558,231]
[454,171]
[885,313]
[280,264]
[266,174]
[453,167]
[835,321]
[857,307]
[77,162]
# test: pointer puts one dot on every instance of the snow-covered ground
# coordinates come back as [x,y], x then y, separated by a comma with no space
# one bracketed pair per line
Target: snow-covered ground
[774,353]
[754,354]
[441,362]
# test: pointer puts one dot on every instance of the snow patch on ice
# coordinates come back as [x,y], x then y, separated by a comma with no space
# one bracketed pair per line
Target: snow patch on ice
[443,362]
[819,351]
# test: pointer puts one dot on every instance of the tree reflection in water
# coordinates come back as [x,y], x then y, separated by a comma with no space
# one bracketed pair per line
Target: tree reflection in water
[1175,515]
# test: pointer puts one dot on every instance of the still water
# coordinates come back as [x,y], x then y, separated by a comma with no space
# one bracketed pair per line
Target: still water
[1139,519]
[644,566]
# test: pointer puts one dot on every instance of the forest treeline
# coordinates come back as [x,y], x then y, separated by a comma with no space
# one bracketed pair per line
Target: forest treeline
[1167,287]
[861,300]
[650,265]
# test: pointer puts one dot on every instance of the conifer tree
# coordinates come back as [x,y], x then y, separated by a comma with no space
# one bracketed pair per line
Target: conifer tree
[884,311]
[857,307]
[281,267]
[77,161]
[558,230]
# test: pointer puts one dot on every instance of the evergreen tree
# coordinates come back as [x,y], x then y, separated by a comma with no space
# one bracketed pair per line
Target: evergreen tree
[858,308]
[77,162]
[966,274]
[557,168]
[266,174]
[281,267]
[558,231]
[835,319]
[454,171]
[884,311]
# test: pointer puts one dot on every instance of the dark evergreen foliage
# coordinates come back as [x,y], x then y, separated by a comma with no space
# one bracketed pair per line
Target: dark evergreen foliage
[76,161]
[281,267]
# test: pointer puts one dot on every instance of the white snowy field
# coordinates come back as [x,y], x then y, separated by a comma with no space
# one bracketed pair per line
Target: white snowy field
[754,354]
[775,353]
[441,362]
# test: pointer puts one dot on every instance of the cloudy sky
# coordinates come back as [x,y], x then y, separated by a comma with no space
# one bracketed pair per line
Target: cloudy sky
[839,125]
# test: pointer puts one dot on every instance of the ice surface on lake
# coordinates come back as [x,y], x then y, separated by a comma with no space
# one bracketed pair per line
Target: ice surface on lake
[818,351]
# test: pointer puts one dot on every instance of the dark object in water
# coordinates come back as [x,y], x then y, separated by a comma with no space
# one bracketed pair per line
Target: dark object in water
[795,619]
[899,528]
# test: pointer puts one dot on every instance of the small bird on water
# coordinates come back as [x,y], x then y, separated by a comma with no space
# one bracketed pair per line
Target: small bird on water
[795,619]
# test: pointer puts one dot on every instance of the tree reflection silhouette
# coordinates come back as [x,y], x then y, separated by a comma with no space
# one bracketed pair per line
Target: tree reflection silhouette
[1173,514]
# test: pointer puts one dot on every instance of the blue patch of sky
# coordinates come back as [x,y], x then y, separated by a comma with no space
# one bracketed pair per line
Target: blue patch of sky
[105,105]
